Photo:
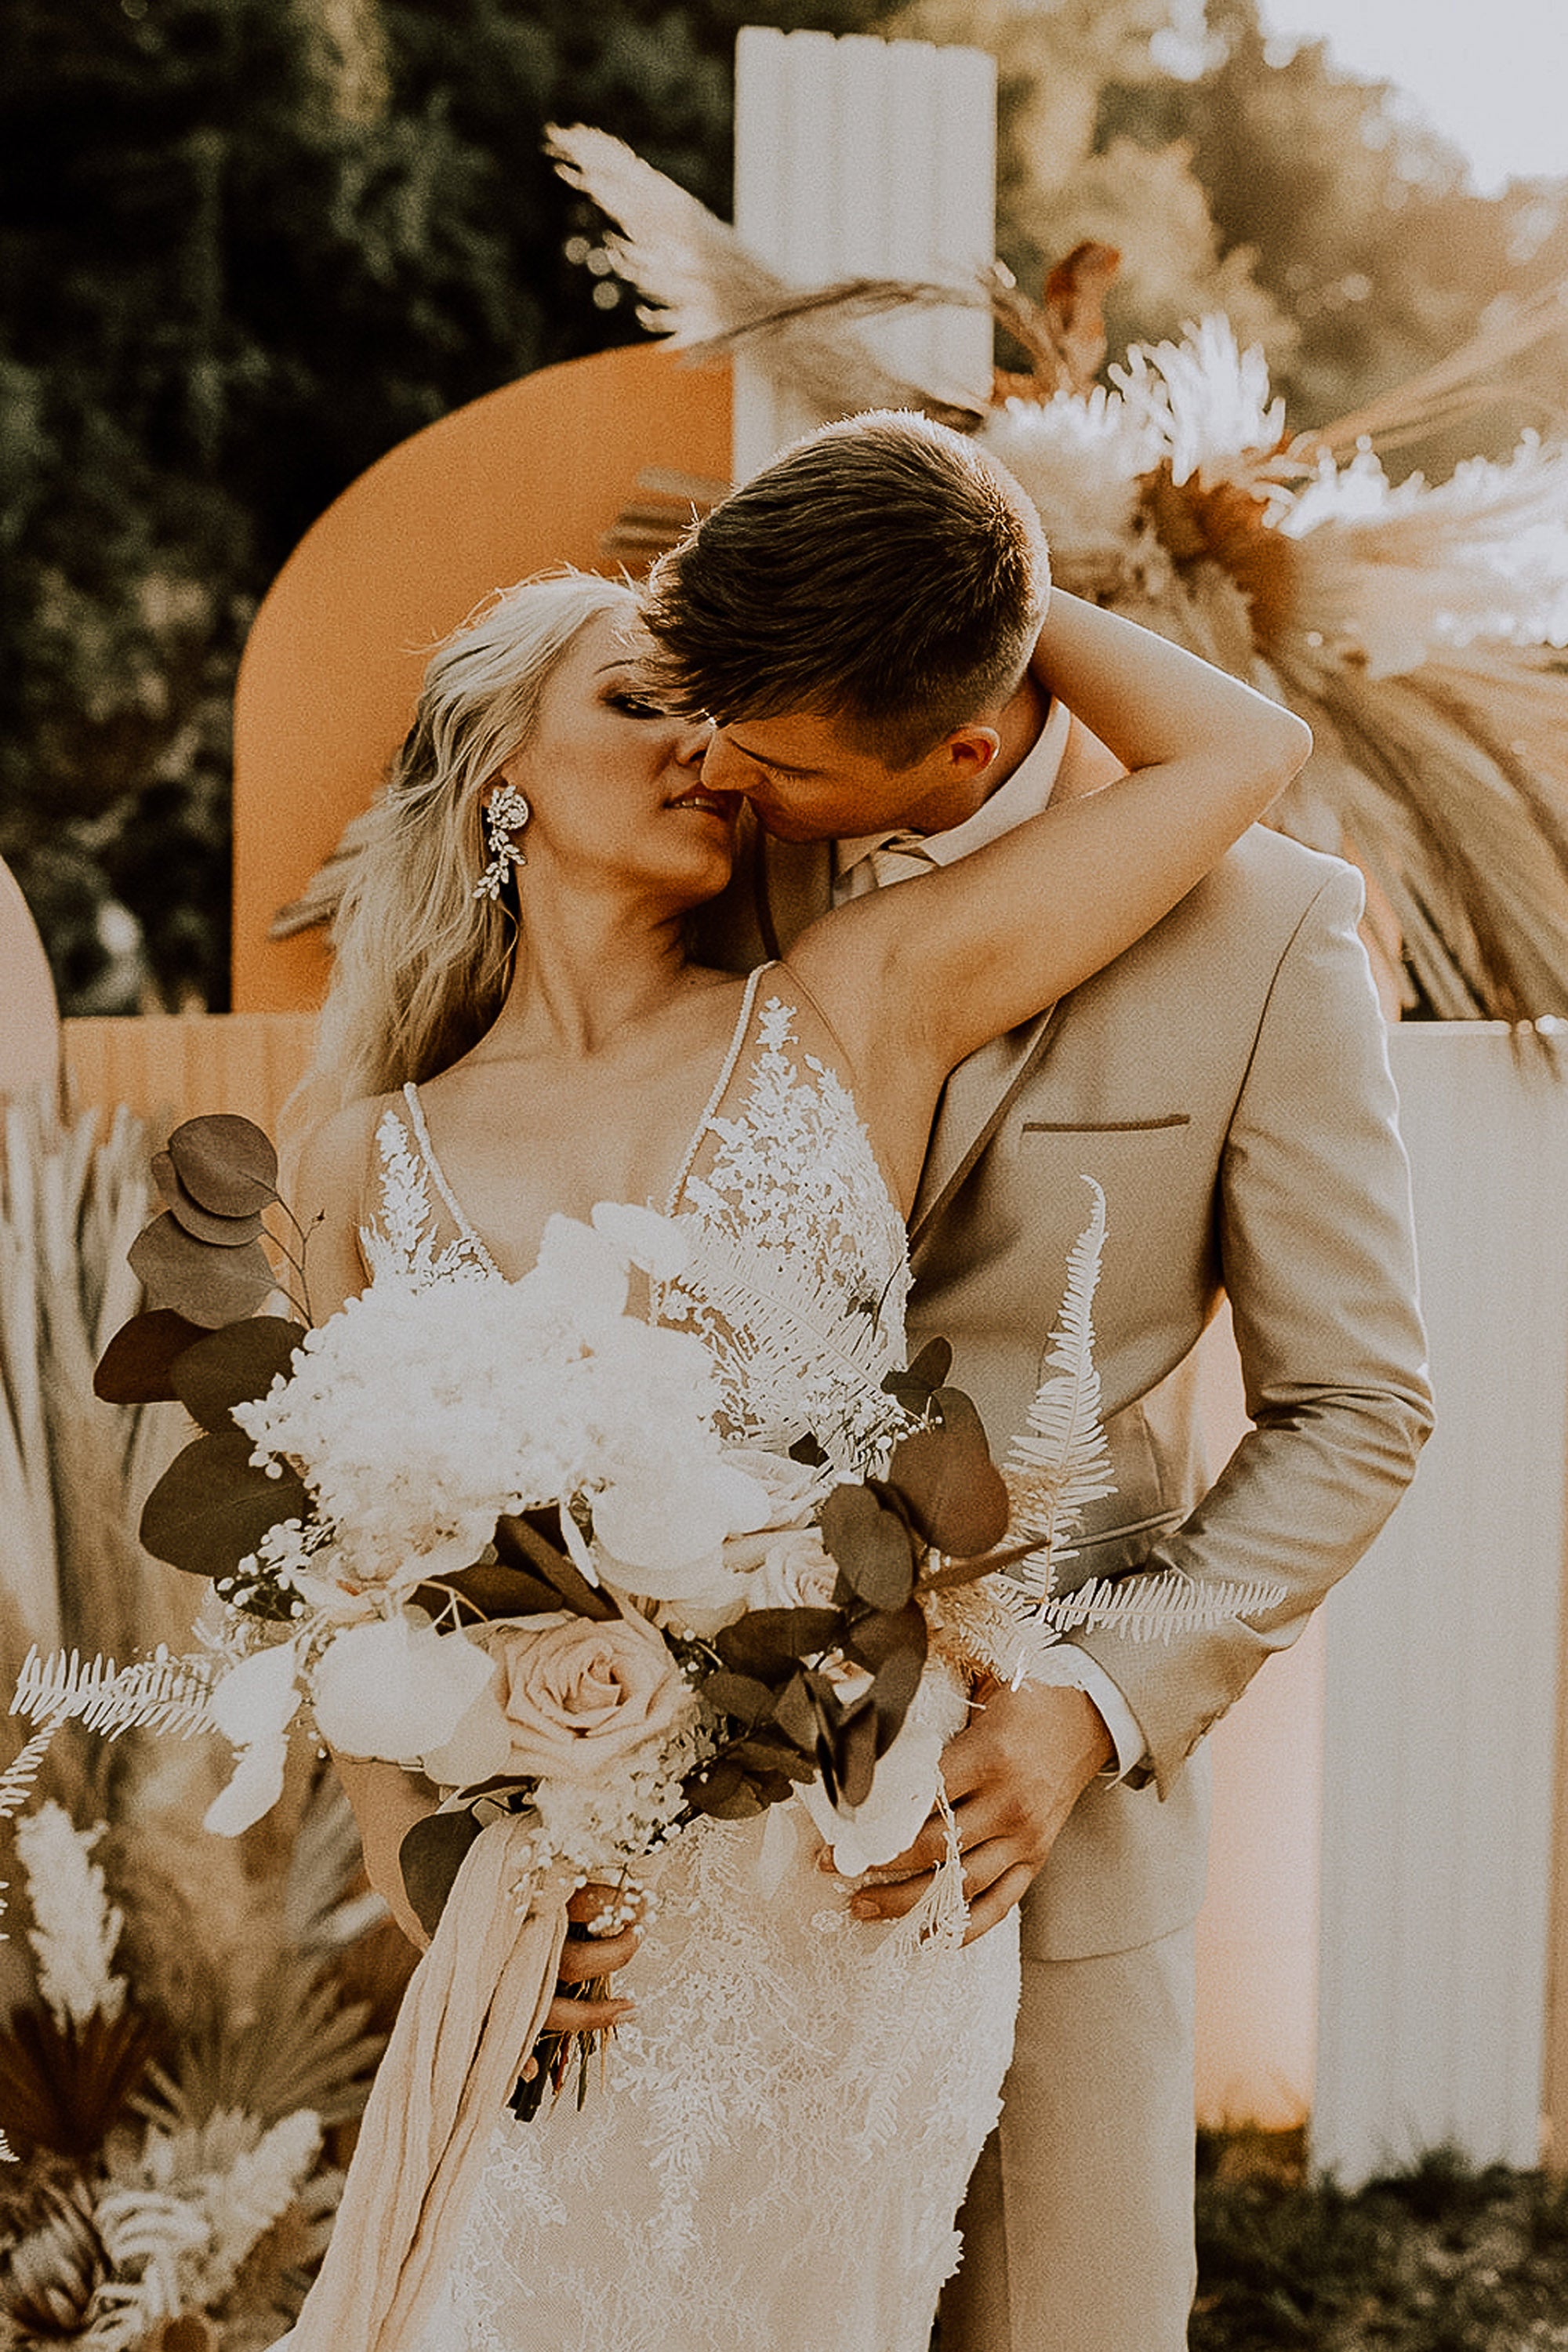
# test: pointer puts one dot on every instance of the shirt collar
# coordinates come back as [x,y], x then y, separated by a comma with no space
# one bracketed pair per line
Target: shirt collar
[1025,793]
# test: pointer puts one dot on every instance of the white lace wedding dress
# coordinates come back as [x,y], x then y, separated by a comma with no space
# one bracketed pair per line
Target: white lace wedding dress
[774,2156]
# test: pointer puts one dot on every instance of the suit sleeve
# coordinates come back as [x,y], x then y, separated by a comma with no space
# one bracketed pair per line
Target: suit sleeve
[1318,1262]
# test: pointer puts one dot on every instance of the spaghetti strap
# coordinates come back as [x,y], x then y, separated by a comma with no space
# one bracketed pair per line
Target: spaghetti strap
[721,1087]
[438,1178]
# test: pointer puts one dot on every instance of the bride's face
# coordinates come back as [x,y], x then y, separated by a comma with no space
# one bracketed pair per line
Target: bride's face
[614,785]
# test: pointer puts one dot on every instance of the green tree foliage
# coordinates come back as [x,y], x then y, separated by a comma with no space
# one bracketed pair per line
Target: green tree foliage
[247,245]
[1355,219]
[1241,174]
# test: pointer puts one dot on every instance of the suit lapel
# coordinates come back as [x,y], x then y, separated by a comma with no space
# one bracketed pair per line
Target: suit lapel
[794,885]
[975,1102]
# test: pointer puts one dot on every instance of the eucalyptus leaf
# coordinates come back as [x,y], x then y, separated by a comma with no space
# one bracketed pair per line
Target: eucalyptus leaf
[493,1588]
[723,1790]
[431,1857]
[748,1701]
[794,1715]
[137,1366]
[769,1759]
[871,1545]
[211,1507]
[226,1163]
[951,1489]
[915,1386]
[766,1642]
[893,1649]
[519,1544]
[855,1758]
[224,1232]
[235,1366]
[207,1285]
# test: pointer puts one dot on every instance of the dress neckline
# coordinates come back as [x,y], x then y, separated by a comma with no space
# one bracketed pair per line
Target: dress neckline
[454,1207]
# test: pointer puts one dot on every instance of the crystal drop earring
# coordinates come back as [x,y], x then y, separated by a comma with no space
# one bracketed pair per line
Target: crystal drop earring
[506,813]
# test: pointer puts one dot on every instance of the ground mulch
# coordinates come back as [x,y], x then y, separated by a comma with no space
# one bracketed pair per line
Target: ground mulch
[1441,2258]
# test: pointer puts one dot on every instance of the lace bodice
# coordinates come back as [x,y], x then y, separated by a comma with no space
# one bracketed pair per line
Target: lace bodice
[798,1272]
[774,2155]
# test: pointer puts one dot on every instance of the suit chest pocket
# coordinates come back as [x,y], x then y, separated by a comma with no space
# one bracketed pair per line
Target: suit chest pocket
[1158,1202]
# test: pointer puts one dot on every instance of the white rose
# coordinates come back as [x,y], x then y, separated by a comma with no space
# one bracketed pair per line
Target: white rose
[794,1571]
[903,1791]
[792,1488]
[396,1687]
[664,1531]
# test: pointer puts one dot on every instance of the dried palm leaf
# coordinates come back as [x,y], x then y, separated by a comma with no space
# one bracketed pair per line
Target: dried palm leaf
[54,2260]
[64,2087]
[319,1914]
[704,289]
[73,1470]
[301,2046]
[1477,376]
[1457,799]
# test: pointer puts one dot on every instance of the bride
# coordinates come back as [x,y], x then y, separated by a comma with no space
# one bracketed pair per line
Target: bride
[793,2099]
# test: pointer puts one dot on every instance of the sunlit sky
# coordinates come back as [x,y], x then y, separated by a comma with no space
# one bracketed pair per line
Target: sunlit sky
[1491,74]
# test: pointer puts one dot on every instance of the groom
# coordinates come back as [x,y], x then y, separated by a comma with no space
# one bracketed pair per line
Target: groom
[858,619]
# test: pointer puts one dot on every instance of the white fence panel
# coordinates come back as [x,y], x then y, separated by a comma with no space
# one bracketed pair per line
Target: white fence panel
[1442,1652]
[865,158]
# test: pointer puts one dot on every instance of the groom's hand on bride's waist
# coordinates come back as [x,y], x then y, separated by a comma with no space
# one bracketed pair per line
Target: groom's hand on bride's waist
[1013,1775]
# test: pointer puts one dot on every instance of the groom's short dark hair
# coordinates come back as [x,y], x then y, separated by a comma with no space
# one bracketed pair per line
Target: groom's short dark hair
[883,571]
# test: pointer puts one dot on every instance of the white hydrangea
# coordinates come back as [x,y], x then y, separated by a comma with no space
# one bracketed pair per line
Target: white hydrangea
[76,1927]
[422,1411]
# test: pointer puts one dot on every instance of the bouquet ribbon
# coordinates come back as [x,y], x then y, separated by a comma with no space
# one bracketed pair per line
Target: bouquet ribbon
[468,2022]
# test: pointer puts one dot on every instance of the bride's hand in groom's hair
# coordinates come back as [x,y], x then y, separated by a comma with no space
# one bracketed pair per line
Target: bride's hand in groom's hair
[1013,1775]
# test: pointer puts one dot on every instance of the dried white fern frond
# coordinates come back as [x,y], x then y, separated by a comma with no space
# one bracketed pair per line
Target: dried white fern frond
[1154,1606]
[1060,1463]
[17,1780]
[161,1694]
[808,1367]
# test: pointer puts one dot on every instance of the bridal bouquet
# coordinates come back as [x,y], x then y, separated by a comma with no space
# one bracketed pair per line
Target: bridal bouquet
[490,1531]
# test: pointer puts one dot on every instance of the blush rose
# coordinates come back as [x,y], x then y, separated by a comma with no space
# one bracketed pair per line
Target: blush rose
[568,1697]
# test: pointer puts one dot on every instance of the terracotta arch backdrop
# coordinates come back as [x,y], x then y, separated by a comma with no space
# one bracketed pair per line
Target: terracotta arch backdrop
[535,474]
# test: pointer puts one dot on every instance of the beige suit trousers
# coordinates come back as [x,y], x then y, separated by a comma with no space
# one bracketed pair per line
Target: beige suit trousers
[1078,2228]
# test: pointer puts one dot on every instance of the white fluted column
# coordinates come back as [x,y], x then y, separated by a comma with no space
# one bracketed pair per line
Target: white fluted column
[865,158]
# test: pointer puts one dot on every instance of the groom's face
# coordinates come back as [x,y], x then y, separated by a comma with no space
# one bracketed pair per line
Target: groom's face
[811,778]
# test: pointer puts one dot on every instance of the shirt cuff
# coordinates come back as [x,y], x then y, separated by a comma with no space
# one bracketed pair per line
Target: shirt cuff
[1066,1667]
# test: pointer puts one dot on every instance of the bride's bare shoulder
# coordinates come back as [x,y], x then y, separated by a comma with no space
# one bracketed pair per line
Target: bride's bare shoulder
[326,1192]
[333,1161]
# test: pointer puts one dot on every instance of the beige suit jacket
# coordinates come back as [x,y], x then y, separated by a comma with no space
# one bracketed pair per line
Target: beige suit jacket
[1226,1082]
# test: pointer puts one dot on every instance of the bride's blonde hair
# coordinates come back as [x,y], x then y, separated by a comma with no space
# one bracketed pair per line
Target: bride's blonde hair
[421,965]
